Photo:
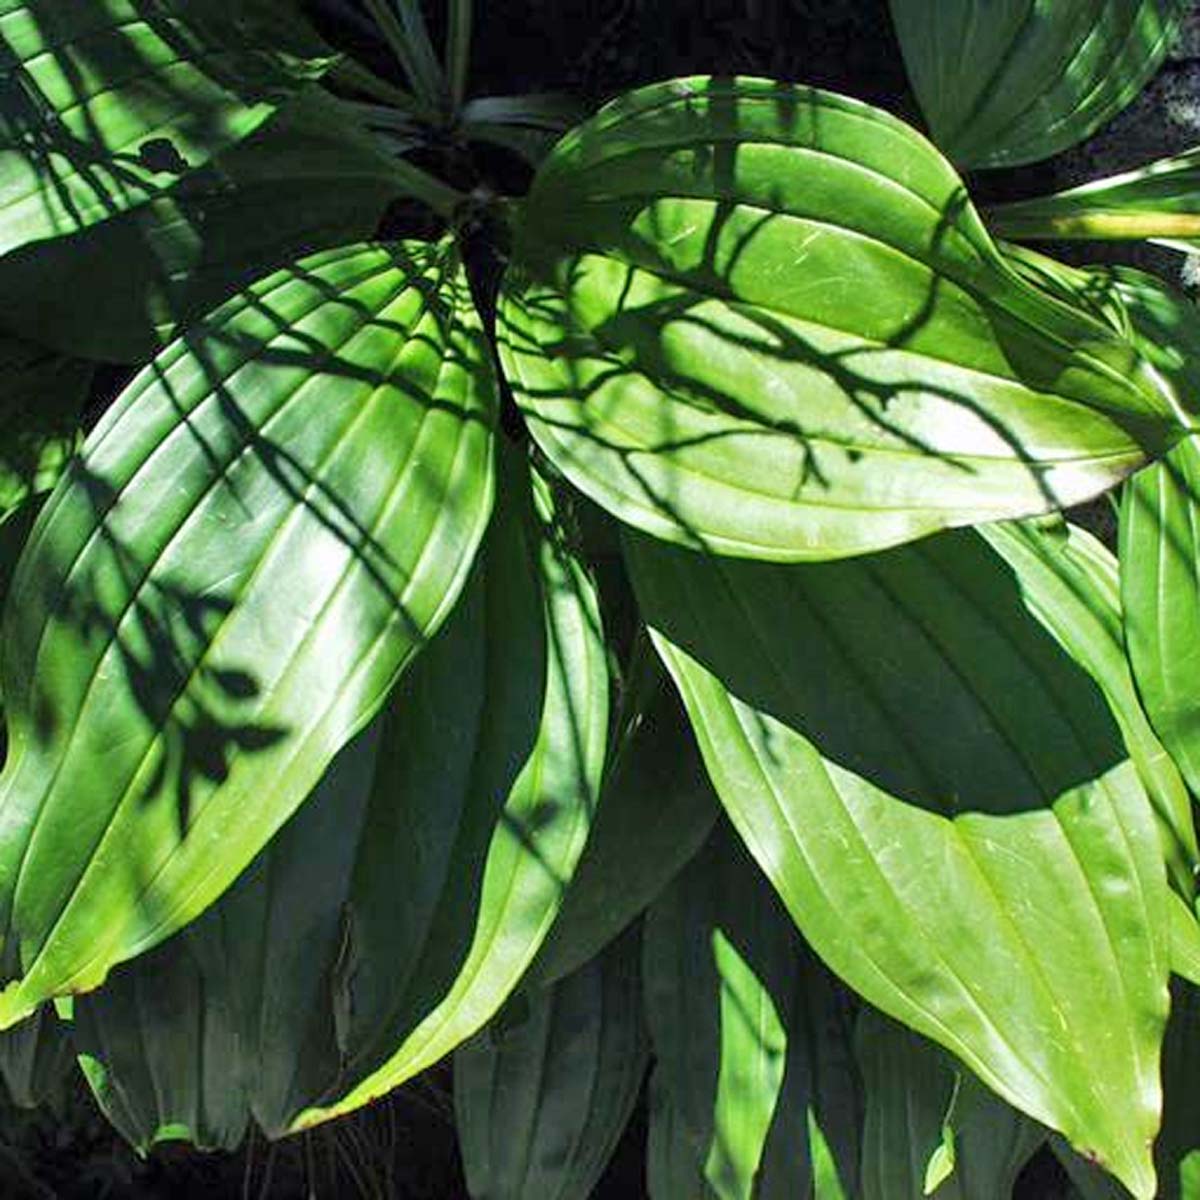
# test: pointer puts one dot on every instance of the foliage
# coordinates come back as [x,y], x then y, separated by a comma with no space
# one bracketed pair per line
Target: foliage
[632,620]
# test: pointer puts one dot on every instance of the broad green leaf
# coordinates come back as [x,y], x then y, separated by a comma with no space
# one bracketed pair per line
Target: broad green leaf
[1159,202]
[159,1048]
[398,908]
[540,1106]
[941,797]
[766,320]
[37,1059]
[304,180]
[931,1129]
[1070,583]
[41,406]
[1013,81]
[750,1033]
[656,810]
[259,536]
[500,768]
[105,104]
[1177,1148]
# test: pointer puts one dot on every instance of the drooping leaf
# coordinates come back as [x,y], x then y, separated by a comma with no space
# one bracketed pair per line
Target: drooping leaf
[1070,583]
[499,798]
[752,1037]
[941,798]
[766,320]
[305,180]
[105,104]
[159,1048]
[1177,1147]
[1159,202]
[674,1156]
[37,1058]
[1159,547]
[931,1128]
[656,809]
[259,536]
[41,405]
[394,913]
[540,1106]
[1003,82]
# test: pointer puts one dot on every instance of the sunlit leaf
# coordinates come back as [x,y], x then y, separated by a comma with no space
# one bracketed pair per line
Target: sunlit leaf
[1013,81]
[942,799]
[305,180]
[393,915]
[1159,202]
[541,1105]
[1070,582]
[105,104]
[767,321]
[259,536]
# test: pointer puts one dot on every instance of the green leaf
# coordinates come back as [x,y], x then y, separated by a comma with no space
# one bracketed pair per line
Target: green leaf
[1185,940]
[1160,544]
[674,1156]
[259,536]
[766,320]
[1160,202]
[159,1048]
[1003,82]
[41,406]
[105,104]
[1177,1148]
[941,798]
[540,1107]
[1070,583]
[656,810]
[305,180]
[750,1034]
[931,1130]
[37,1059]
[395,912]
[515,714]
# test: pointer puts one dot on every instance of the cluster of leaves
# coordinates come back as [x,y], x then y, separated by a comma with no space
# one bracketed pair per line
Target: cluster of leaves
[670,650]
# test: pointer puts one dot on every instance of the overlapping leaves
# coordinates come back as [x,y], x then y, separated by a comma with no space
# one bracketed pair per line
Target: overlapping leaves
[766,320]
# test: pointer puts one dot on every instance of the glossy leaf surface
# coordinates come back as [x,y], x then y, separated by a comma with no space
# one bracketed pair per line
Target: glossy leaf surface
[918,1102]
[1003,82]
[941,798]
[751,1035]
[540,1105]
[260,534]
[766,320]
[395,912]
[305,180]
[656,810]
[1070,583]
[107,103]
